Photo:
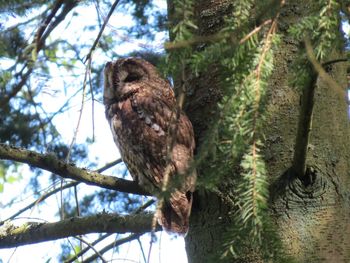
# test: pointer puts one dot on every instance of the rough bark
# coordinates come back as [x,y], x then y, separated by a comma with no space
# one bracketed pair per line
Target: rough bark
[32,233]
[209,218]
[313,217]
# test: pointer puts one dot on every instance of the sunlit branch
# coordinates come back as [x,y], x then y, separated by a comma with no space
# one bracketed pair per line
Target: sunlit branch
[52,164]
[47,195]
[116,243]
[31,233]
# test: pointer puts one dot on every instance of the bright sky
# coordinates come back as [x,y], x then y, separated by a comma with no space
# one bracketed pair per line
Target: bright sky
[168,248]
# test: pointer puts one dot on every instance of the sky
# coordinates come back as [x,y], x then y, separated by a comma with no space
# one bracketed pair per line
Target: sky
[168,248]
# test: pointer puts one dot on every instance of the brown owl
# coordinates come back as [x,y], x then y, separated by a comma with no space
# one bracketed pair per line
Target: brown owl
[152,136]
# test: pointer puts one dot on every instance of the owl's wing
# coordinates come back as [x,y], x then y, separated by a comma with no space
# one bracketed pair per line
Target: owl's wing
[142,126]
[160,113]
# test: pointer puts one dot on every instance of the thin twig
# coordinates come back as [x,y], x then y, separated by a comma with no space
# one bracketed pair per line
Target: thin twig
[101,30]
[137,211]
[92,107]
[254,31]
[92,247]
[334,61]
[142,251]
[88,68]
[39,200]
[83,251]
[112,245]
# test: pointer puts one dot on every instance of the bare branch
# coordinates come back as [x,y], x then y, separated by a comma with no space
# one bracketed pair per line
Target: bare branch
[39,42]
[47,195]
[110,246]
[113,244]
[39,200]
[92,247]
[305,121]
[83,251]
[101,30]
[31,233]
[52,164]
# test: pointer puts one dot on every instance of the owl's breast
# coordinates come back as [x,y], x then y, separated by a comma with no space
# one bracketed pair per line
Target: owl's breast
[141,142]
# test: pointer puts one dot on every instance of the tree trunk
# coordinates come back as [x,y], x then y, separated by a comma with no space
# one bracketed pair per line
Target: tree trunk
[312,217]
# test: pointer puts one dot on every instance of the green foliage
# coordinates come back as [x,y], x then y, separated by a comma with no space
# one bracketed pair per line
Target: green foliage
[21,7]
[183,30]
[8,174]
[11,42]
[232,151]
[322,24]
[235,138]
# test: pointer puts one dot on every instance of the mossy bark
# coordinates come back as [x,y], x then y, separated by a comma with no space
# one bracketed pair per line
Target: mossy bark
[313,218]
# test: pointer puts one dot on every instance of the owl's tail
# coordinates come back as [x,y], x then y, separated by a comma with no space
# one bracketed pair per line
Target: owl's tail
[175,212]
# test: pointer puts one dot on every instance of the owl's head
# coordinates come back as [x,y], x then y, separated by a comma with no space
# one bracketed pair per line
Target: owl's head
[124,76]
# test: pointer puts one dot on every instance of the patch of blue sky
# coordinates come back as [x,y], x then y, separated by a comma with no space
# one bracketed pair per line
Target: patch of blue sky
[57,89]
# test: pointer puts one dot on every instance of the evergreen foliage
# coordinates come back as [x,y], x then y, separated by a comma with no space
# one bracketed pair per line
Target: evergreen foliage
[232,153]
[245,57]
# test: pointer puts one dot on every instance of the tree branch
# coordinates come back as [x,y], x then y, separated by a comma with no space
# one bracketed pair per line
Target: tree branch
[305,120]
[31,233]
[43,32]
[114,243]
[101,30]
[52,164]
[307,103]
[110,246]
[47,195]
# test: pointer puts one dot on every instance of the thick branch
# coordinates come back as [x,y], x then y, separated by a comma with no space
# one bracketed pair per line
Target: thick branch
[307,103]
[304,125]
[65,170]
[31,233]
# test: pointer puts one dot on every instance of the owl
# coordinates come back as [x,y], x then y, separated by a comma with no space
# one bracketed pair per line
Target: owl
[154,137]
